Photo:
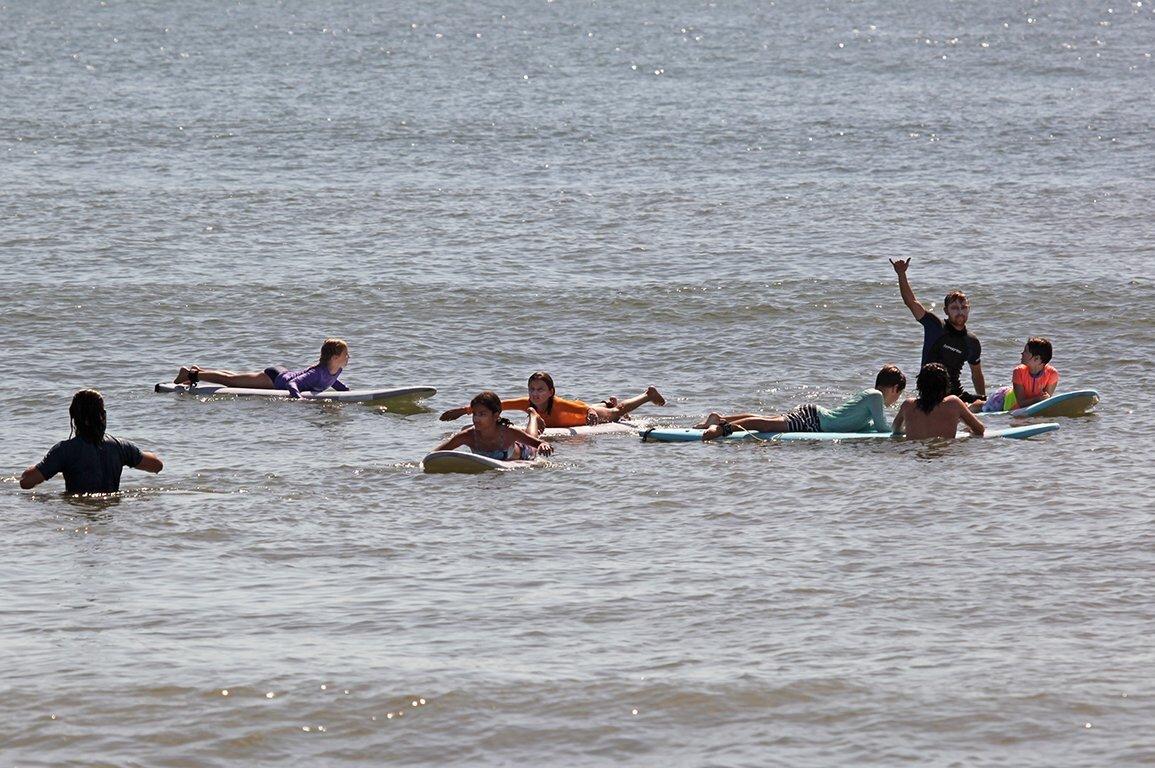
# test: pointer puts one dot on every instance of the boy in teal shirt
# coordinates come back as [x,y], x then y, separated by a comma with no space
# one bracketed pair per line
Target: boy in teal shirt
[861,413]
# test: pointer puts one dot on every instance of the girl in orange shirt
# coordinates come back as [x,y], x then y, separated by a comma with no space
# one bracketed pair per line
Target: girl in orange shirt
[552,411]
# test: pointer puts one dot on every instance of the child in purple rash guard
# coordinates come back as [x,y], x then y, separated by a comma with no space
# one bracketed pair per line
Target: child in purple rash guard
[315,378]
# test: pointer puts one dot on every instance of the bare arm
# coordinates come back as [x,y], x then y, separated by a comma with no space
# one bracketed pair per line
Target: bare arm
[456,441]
[1021,399]
[544,448]
[31,478]
[969,419]
[908,297]
[898,426]
[979,380]
[149,462]
[454,413]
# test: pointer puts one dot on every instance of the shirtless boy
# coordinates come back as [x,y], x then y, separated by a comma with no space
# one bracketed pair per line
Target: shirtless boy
[934,413]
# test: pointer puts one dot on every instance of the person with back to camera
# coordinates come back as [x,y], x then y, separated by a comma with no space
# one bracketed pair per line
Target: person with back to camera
[949,343]
[316,378]
[861,413]
[91,460]
[1032,381]
[935,412]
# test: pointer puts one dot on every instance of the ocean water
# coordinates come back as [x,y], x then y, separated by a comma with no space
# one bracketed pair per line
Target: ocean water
[699,196]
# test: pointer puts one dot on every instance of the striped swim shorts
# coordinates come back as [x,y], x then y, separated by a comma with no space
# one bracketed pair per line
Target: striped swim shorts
[804,418]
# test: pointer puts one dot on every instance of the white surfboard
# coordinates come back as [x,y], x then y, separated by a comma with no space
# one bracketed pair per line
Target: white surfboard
[608,428]
[465,462]
[370,396]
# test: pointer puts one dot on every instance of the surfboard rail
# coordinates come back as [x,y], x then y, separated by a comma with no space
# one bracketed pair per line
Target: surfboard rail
[368,396]
[690,435]
[467,463]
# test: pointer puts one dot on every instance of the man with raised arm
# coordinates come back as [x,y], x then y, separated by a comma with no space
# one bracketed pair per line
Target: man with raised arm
[949,343]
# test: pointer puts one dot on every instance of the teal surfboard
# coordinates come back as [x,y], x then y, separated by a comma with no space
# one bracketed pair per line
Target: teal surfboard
[674,435]
[1075,403]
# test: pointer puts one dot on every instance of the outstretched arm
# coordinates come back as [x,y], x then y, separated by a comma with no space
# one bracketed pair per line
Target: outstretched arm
[149,462]
[544,448]
[908,297]
[31,478]
[454,413]
[456,441]
[970,420]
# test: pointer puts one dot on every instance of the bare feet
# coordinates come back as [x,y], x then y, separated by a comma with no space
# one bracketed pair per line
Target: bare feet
[712,419]
[722,429]
[186,375]
[655,396]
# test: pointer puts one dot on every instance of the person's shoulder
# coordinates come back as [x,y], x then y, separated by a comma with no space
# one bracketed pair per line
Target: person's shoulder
[66,445]
[931,319]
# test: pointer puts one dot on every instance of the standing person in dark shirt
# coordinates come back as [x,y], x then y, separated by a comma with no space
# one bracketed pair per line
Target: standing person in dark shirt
[91,461]
[949,343]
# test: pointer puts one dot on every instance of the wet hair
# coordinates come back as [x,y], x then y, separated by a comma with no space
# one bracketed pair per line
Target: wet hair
[490,402]
[933,386]
[1037,345]
[953,296]
[332,348]
[543,376]
[89,419]
[889,376]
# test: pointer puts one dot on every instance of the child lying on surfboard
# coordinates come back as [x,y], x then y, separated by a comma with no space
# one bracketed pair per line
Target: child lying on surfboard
[861,413]
[1032,381]
[557,412]
[315,378]
[493,436]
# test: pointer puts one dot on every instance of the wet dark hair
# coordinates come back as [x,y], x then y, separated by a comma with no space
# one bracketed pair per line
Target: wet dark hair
[543,376]
[89,419]
[1037,345]
[933,386]
[953,296]
[889,376]
[490,402]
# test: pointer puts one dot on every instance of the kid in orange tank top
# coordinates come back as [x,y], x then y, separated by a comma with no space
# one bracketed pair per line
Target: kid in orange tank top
[554,411]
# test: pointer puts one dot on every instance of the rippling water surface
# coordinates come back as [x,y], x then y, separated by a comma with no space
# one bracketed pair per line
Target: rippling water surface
[697,196]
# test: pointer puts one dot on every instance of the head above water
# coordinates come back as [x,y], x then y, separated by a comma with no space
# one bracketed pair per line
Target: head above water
[933,385]
[89,419]
[541,391]
[333,348]
[486,408]
[889,376]
[957,309]
[890,381]
[1039,347]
